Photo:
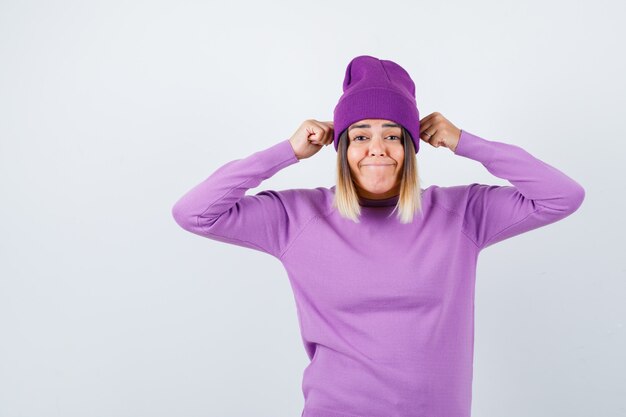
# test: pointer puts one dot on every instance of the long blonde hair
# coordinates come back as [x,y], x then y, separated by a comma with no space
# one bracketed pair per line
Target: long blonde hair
[346,199]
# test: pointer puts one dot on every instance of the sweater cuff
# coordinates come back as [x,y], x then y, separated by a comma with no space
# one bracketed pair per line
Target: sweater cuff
[278,156]
[474,147]
[285,150]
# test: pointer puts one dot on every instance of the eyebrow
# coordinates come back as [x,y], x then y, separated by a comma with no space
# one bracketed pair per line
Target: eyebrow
[368,126]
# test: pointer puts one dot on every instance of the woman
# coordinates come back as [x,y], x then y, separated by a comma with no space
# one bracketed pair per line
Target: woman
[385,303]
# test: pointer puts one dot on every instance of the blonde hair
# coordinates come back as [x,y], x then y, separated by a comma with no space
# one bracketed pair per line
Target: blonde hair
[346,199]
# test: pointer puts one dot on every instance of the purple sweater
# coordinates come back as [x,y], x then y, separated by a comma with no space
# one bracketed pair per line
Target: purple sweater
[386,310]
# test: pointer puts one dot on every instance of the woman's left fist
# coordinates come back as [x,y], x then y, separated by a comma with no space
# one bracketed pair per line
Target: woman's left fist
[439,131]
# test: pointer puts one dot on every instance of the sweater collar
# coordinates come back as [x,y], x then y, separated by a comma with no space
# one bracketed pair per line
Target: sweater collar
[368,202]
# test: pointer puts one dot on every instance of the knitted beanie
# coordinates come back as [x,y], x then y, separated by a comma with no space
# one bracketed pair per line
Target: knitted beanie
[377,89]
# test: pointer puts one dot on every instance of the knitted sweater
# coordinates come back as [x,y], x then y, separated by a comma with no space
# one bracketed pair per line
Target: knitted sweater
[386,310]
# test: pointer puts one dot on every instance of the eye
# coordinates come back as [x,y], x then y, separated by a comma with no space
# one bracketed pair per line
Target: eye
[356,138]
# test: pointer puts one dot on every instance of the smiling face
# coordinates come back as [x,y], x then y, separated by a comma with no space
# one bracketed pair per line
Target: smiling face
[376,157]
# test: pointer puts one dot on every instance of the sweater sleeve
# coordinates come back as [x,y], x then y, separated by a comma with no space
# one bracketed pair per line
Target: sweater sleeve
[218,208]
[540,194]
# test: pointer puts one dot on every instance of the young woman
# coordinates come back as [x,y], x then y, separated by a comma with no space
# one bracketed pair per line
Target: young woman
[383,272]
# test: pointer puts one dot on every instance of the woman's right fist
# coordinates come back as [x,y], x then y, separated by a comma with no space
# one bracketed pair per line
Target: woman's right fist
[310,137]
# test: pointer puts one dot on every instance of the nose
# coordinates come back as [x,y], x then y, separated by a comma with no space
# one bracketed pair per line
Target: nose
[377,146]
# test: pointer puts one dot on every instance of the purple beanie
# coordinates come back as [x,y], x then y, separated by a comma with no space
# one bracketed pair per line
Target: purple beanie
[377,89]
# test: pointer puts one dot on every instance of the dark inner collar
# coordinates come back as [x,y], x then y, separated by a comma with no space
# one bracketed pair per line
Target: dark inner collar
[368,202]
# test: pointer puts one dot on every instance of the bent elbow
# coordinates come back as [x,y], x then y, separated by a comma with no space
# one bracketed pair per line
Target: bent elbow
[576,198]
[565,204]
[181,217]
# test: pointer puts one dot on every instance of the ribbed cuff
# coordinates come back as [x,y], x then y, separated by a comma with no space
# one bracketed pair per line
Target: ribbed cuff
[276,157]
[474,147]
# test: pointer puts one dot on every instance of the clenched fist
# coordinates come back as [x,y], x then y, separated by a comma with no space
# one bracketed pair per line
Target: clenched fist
[311,136]
[438,131]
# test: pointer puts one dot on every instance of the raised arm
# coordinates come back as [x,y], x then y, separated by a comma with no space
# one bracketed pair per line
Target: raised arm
[540,194]
[218,208]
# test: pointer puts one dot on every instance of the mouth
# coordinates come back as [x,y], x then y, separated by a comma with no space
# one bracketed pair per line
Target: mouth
[377,165]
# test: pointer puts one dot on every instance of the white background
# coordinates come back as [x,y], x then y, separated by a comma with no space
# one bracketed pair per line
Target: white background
[112,110]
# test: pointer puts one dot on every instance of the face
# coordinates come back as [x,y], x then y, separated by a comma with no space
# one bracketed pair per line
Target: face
[376,157]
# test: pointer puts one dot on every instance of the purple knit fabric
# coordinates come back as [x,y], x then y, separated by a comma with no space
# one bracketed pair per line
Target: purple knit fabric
[386,310]
[377,89]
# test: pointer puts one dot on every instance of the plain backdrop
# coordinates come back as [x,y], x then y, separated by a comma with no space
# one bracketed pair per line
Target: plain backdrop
[112,110]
